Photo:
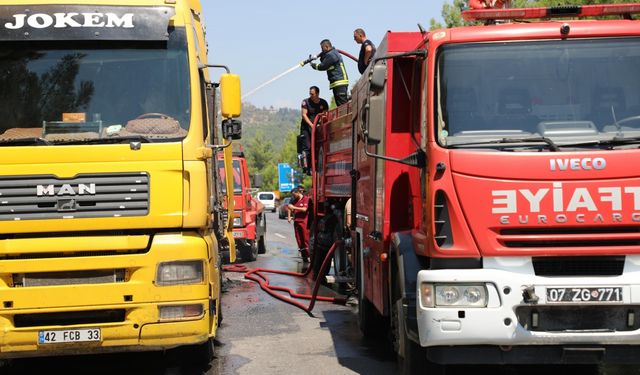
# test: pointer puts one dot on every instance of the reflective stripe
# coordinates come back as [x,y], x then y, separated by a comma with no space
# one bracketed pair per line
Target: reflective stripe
[341,82]
[344,72]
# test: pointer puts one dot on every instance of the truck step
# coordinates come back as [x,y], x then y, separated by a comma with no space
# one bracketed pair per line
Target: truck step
[331,279]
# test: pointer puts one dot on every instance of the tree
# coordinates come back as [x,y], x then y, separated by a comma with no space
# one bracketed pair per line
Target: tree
[260,157]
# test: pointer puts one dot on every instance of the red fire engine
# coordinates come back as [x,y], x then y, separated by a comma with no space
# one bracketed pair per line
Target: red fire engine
[249,222]
[495,195]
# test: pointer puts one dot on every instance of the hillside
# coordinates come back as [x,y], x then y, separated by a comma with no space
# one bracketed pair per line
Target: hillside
[274,123]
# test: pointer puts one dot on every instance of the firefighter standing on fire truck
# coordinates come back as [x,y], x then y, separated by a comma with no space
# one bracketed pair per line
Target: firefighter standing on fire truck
[331,61]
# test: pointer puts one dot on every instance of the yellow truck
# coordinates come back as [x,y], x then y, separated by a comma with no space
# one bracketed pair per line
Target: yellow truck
[111,219]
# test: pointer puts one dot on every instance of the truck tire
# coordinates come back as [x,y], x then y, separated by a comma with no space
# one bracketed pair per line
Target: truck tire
[412,358]
[249,251]
[262,248]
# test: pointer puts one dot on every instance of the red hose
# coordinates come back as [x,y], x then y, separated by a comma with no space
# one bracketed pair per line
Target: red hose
[348,55]
[257,275]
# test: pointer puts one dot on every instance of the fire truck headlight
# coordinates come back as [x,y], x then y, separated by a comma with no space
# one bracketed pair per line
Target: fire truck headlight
[179,273]
[426,295]
[237,222]
[457,295]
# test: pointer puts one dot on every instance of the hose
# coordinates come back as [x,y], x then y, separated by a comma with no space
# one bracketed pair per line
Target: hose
[347,54]
[258,275]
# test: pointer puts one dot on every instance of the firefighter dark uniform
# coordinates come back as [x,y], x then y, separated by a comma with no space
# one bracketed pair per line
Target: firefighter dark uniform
[331,61]
[362,65]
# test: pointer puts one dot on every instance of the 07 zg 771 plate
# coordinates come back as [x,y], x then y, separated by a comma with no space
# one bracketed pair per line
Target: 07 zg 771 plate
[584,294]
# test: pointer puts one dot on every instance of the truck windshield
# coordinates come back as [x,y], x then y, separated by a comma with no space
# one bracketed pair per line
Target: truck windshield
[237,177]
[80,92]
[568,91]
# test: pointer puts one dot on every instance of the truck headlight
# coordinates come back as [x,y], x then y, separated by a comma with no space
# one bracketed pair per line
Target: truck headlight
[453,295]
[180,272]
[458,295]
[237,222]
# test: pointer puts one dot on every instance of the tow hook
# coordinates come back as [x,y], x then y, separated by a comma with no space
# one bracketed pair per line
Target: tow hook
[529,295]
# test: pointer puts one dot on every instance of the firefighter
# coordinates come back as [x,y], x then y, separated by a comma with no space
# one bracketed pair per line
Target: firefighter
[331,61]
[310,108]
[300,210]
[367,50]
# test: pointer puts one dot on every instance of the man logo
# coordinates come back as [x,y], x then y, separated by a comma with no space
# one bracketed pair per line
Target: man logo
[65,189]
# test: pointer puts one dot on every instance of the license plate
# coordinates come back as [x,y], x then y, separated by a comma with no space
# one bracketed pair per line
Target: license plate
[69,335]
[584,295]
[238,234]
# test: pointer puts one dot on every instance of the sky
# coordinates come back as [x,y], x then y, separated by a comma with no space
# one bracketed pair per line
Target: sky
[260,39]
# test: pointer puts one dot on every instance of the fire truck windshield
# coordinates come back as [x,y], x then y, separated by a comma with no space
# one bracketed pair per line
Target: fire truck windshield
[81,92]
[237,177]
[567,91]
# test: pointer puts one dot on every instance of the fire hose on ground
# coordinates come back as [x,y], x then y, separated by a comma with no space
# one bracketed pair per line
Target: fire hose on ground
[258,275]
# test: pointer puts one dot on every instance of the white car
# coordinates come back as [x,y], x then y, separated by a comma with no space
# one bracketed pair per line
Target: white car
[268,199]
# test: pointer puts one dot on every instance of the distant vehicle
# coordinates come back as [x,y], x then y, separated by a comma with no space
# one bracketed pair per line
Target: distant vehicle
[268,199]
[282,210]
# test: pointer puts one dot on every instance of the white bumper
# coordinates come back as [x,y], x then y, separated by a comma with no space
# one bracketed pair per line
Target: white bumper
[497,324]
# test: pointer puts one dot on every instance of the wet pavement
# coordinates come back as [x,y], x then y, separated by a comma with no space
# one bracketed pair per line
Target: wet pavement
[261,334]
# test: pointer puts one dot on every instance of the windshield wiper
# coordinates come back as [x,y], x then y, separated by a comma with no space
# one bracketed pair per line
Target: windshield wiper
[552,145]
[615,141]
[31,141]
[124,139]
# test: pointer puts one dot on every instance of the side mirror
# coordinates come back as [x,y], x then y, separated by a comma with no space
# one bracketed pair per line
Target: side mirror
[257,180]
[378,77]
[230,101]
[375,119]
[231,128]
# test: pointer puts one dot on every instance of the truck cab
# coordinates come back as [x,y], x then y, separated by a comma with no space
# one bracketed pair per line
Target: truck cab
[249,216]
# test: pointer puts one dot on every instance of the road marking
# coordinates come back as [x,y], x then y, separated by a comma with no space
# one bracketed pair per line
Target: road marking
[279,235]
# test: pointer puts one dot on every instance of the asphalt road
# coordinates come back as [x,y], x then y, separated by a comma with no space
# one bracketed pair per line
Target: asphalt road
[261,335]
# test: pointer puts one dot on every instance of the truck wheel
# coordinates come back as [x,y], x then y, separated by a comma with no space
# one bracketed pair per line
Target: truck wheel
[249,252]
[262,248]
[412,358]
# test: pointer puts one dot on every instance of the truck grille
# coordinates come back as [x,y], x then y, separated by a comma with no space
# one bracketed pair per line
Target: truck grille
[84,196]
[69,318]
[69,278]
[579,266]
[579,318]
[570,237]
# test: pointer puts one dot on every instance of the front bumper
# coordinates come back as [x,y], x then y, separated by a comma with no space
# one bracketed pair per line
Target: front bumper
[501,322]
[140,331]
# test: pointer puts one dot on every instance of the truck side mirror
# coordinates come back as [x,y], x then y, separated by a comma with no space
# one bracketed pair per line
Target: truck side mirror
[375,119]
[231,106]
[378,77]
[230,101]
[257,180]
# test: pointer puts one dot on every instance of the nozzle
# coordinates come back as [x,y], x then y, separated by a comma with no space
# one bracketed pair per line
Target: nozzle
[308,60]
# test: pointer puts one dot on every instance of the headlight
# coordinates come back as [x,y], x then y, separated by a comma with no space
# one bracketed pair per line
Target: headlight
[182,272]
[457,295]
[453,295]
[426,295]
[237,222]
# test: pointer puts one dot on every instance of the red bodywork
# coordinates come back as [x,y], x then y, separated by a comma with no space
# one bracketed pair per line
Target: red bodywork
[247,208]
[477,186]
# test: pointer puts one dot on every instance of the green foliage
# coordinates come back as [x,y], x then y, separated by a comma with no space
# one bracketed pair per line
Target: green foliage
[269,137]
